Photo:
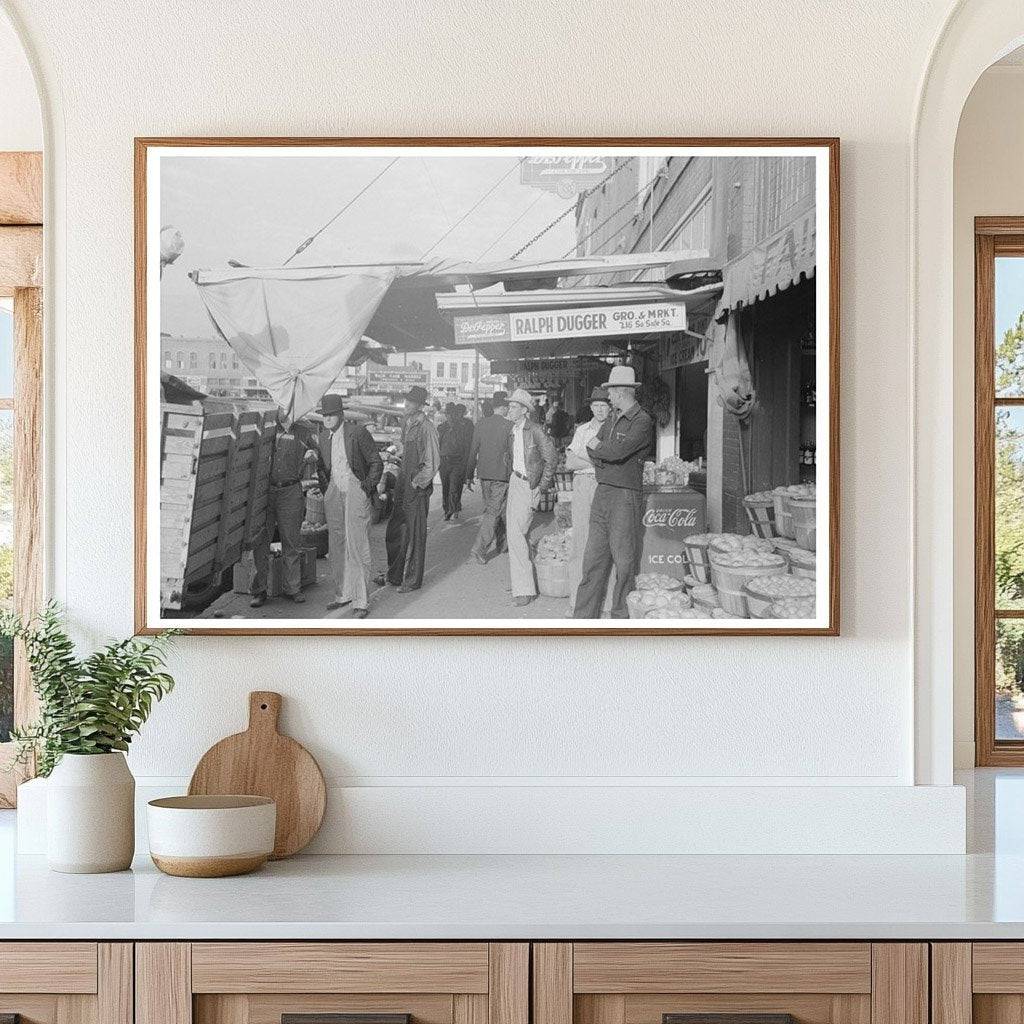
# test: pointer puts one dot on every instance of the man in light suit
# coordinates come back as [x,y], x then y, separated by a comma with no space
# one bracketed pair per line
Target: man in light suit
[350,468]
[531,461]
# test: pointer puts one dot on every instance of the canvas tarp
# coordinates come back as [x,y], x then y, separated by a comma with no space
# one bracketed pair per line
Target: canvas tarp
[295,336]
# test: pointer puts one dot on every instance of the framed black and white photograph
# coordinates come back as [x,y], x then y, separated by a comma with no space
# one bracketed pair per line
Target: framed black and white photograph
[487,386]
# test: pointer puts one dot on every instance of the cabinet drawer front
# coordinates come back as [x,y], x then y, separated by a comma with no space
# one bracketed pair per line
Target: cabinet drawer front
[57,967]
[998,967]
[339,967]
[629,967]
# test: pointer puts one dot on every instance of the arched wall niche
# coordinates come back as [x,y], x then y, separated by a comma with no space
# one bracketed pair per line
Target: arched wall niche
[975,35]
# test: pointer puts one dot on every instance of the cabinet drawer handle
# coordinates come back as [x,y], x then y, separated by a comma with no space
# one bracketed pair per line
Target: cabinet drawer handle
[728,1018]
[338,1018]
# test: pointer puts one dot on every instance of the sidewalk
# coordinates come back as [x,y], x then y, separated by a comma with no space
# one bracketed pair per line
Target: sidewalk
[455,586]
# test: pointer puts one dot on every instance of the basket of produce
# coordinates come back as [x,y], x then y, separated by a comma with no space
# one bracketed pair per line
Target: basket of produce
[804,521]
[563,479]
[705,599]
[563,514]
[689,582]
[761,513]
[783,512]
[671,474]
[673,613]
[730,570]
[732,542]
[546,501]
[669,604]
[803,563]
[696,548]
[552,564]
[657,581]
[763,591]
[793,608]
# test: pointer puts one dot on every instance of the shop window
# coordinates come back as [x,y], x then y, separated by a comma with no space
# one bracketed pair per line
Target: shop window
[999,492]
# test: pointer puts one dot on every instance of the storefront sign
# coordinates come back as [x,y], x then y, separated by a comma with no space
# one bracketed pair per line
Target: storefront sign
[586,322]
[565,175]
[682,351]
[774,264]
[395,378]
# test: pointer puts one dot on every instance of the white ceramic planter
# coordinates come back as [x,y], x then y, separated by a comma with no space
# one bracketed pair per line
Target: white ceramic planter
[90,814]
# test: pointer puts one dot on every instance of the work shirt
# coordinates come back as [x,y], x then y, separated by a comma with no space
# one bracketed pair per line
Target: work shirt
[420,451]
[519,448]
[289,458]
[625,441]
[341,474]
[578,444]
[487,455]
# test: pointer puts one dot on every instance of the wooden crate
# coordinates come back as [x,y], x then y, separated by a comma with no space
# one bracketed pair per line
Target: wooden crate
[214,474]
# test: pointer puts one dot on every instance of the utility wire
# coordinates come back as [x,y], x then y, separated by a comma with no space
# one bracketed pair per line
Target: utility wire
[316,234]
[614,213]
[537,199]
[472,208]
[590,191]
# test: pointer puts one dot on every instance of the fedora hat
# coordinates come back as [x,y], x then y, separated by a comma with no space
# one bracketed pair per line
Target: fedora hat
[522,398]
[622,377]
[418,395]
[499,398]
[600,394]
[332,405]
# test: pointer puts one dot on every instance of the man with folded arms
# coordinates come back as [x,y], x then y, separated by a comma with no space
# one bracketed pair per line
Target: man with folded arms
[618,453]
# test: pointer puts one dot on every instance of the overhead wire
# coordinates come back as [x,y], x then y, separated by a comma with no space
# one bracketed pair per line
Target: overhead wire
[316,234]
[537,199]
[474,207]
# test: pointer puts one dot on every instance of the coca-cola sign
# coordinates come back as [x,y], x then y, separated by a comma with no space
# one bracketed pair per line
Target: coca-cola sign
[672,518]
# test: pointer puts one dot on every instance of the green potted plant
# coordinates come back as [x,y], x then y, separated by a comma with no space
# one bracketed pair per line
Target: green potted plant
[89,710]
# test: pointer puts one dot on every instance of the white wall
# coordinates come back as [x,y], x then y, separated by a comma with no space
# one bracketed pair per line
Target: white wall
[437,714]
[988,181]
[21,125]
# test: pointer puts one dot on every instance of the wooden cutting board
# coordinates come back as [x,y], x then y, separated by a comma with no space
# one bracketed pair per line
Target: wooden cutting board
[262,762]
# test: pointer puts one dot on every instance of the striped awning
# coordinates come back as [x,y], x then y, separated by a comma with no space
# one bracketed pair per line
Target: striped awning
[783,259]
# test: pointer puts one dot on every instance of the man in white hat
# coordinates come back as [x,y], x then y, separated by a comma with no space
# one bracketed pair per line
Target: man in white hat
[531,461]
[618,453]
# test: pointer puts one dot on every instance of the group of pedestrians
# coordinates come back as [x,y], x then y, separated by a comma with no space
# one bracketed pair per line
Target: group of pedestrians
[515,459]
[513,456]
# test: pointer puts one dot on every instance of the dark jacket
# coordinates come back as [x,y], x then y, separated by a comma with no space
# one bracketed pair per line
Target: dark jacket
[364,461]
[488,454]
[541,457]
[454,440]
[625,442]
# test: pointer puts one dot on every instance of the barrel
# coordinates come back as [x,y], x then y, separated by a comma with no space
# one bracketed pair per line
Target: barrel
[552,578]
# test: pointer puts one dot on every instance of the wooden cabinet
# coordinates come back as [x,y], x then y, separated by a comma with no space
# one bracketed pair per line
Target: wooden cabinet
[66,982]
[648,982]
[260,982]
[979,982]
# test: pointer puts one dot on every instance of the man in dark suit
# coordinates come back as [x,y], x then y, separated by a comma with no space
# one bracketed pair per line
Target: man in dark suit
[454,438]
[350,468]
[488,459]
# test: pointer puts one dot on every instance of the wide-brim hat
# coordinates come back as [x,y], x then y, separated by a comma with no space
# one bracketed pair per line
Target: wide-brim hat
[332,405]
[418,395]
[522,397]
[600,394]
[499,398]
[622,377]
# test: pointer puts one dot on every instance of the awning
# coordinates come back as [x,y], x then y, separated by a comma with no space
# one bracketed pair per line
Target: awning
[784,259]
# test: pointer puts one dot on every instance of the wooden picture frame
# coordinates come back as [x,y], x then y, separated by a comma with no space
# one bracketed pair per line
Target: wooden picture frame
[150,150]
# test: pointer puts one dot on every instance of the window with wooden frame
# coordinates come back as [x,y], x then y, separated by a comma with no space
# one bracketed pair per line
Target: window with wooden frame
[999,490]
[21,369]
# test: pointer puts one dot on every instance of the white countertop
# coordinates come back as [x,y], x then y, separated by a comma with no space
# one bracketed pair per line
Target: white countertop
[531,897]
